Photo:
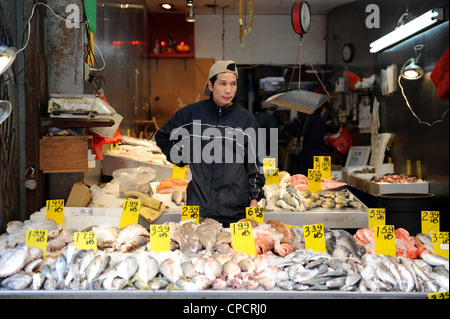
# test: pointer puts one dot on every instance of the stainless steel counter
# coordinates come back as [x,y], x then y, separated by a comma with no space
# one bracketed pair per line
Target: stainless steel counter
[210,294]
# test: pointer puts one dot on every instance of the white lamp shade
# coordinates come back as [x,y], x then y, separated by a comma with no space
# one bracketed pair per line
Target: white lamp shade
[7,57]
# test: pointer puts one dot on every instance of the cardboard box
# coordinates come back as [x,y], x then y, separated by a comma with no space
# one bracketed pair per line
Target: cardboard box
[79,196]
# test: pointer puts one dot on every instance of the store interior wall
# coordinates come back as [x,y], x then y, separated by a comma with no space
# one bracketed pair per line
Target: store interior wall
[413,141]
[272,40]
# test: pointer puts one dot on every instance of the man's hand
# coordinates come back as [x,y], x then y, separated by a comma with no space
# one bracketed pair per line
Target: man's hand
[253,203]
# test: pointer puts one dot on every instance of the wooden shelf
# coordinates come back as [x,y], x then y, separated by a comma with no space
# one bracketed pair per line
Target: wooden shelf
[172,55]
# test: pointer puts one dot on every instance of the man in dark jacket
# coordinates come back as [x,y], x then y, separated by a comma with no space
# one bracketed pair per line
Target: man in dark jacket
[218,139]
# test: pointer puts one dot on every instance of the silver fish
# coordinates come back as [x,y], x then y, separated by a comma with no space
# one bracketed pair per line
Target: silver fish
[158,283]
[286,285]
[72,279]
[60,269]
[188,270]
[435,260]
[32,265]
[13,261]
[127,268]
[171,270]
[336,282]
[85,261]
[148,268]
[38,280]
[232,269]
[18,281]
[212,269]
[97,266]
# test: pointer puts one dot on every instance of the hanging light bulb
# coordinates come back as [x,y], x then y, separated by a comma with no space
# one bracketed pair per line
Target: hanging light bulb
[190,16]
[411,70]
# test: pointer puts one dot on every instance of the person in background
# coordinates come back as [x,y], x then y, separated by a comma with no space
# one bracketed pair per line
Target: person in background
[309,132]
[221,188]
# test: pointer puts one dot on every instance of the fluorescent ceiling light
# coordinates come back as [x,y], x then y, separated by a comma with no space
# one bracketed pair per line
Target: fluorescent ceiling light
[425,20]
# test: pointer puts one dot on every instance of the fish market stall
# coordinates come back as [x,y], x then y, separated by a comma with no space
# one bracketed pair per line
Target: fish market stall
[201,263]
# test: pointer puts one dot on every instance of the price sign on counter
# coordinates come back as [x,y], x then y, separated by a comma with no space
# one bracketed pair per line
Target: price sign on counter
[377,216]
[85,240]
[179,172]
[159,238]
[190,212]
[130,212]
[314,180]
[37,238]
[242,237]
[430,221]
[323,163]
[314,237]
[257,213]
[55,210]
[385,240]
[439,295]
[440,243]
[272,178]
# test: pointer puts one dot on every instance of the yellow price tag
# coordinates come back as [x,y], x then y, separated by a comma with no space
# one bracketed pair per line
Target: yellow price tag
[255,213]
[314,180]
[37,238]
[408,167]
[178,172]
[430,221]
[419,169]
[377,216]
[190,212]
[269,163]
[439,295]
[85,240]
[272,178]
[314,237]
[130,212]
[385,240]
[242,238]
[323,163]
[440,243]
[159,238]
[55,210]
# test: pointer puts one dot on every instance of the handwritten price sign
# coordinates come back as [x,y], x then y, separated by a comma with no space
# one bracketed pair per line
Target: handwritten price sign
[85,240]
[323,163]
[37,238]
[159,238]
[190,212]
[440,243]
[385,240]
[55,210]
[257,213]
[314,237]
[377,216]
[430,221]
[242,238]
[130,212]
[314,180]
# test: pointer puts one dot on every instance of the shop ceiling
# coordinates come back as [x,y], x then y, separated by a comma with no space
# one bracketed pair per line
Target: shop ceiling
[261,7]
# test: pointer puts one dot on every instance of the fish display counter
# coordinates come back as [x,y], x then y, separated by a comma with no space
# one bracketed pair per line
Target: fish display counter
[202,263]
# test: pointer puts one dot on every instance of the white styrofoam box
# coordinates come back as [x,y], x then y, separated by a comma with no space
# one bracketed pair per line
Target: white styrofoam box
[362,181]
[80,218]
[346,171]
[389,188]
